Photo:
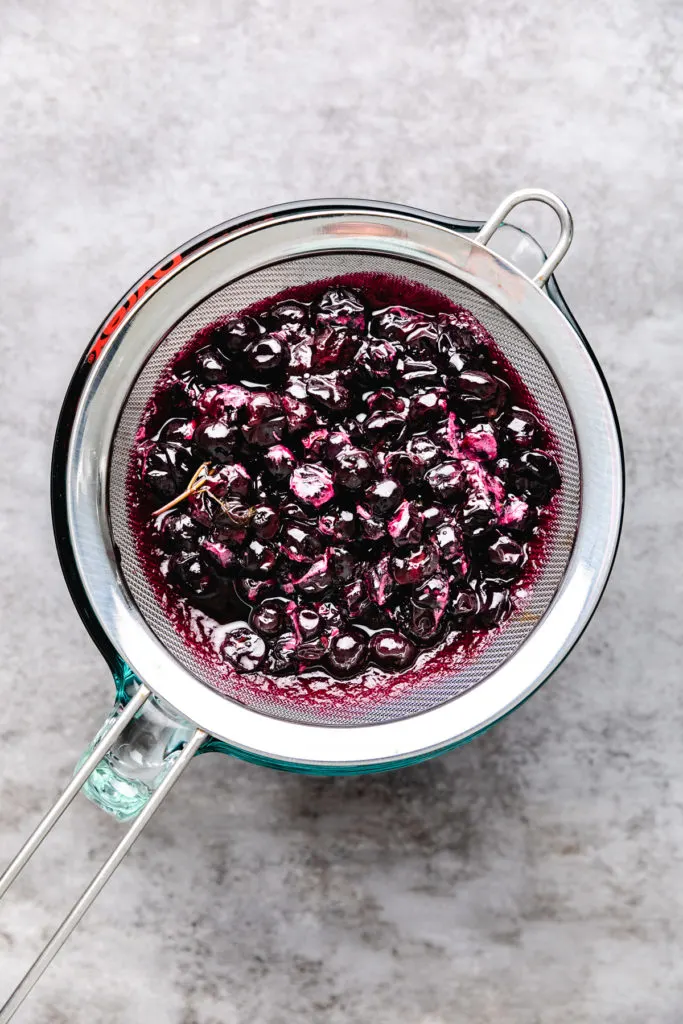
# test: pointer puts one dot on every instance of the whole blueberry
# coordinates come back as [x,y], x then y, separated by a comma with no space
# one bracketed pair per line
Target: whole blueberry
[348,653]
[232,337]
[216,439]
[392,651]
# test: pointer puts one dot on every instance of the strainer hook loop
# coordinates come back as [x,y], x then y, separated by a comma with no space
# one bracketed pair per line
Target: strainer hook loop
[539,195]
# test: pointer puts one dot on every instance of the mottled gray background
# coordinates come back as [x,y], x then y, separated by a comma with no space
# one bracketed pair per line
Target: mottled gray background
[532,877]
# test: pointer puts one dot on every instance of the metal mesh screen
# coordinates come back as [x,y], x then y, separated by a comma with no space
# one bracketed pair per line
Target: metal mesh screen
[520,352]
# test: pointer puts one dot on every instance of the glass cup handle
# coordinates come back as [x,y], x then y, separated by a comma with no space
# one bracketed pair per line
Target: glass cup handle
[139,758]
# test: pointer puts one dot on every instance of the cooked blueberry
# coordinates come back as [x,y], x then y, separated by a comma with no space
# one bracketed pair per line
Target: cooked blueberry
[175,399]
[433,515]
[377,361]
[348,653]
[212,367]
[315,444]
[191,576]
[517,516]
[398,323]
[423,622]
[403,467]
[217,439]
[327,390]
[312,484]
[478,385]
[231,479]
[384,426]
[506,557]
[300,543]
[379,581]
[178,531]
[301,353]
[341,526]
[317,578]
[267,354]
[383,497]
[418,373]
[265,424]
[464,606]
[329,615]
[494,604]
[309,623]
[313,650]
[414,566]
[405,526]
[353,468]
[520,428]
[334,346]
[370,527]
[342,307]
[354,598]
[502,468]
[392,651]
[292,512]
[432,593]
[265,522]
[244,649]
[281,657]
[223,401]
[224,532]
[336,440]
[167,468]
[445,480]
[480,442]
[252,589]
[478,514]
[258,559]
[354,428]
[343,564]
[178,430]
[299,415]
[387,400]
[269,617]
[428,406]
[266,433]
[456,343]
[534,475]
[479,396]
[262,405]
[220,556]
[425,451]
[233,337]
[289,315]
[233,512]
[279,461]
[449,541]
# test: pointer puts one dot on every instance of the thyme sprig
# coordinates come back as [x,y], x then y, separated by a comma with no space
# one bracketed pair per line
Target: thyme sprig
[199,482]
[238,514]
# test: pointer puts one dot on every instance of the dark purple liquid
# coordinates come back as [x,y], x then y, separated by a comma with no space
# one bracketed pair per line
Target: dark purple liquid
[382,485]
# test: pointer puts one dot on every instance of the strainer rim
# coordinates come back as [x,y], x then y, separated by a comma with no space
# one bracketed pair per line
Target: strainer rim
[496,275]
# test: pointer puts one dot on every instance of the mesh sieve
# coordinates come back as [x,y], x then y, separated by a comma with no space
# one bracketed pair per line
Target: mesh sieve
[521,353]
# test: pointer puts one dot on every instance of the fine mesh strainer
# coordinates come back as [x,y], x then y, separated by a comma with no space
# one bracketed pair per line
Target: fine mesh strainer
[170,702]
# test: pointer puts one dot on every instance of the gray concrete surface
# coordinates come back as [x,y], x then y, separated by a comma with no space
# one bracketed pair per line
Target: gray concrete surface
[532,877]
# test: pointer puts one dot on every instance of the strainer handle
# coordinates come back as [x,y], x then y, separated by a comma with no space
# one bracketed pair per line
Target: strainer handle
[103,744]
[539,195]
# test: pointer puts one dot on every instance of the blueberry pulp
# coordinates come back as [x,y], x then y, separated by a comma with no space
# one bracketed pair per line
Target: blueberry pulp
[373,482]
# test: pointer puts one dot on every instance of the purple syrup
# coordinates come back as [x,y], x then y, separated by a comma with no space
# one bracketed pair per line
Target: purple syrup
[377,489]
